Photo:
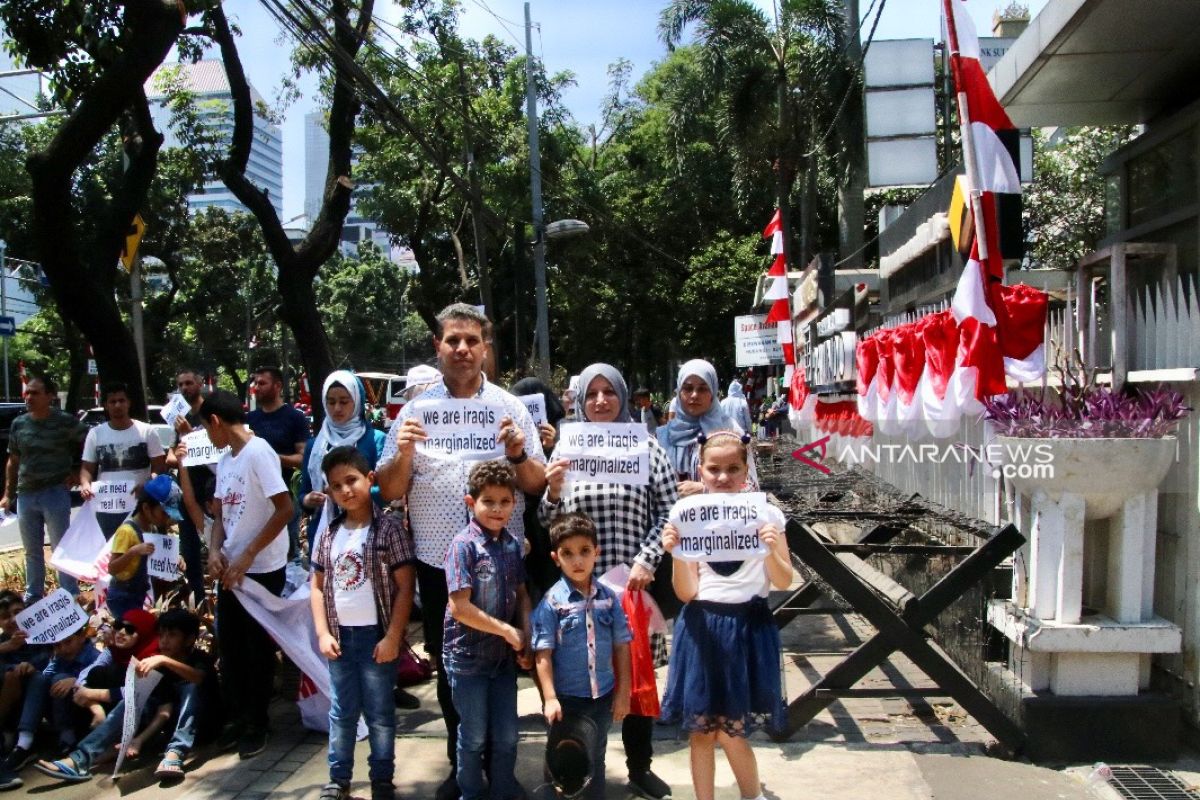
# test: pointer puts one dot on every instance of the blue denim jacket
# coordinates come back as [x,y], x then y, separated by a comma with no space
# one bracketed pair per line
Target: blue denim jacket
[560,623]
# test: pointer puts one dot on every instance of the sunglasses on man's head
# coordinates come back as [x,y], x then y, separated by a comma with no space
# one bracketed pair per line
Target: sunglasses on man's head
[126,627]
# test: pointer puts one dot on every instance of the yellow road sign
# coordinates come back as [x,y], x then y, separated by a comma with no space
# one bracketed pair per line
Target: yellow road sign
[132,238]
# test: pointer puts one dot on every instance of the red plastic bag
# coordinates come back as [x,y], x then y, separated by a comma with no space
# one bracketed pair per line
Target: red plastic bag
[643,695]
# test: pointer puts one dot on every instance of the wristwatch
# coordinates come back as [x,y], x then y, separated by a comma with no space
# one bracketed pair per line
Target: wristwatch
[518,460]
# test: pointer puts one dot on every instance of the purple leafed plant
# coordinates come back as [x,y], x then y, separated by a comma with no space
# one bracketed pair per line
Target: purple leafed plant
[1086,411]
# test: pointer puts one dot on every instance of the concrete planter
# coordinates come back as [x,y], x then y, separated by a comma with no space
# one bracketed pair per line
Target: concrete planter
[1104,472]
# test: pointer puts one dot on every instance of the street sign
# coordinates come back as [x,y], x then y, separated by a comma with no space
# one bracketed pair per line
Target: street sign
[8,326]
[92,370]
[132,238]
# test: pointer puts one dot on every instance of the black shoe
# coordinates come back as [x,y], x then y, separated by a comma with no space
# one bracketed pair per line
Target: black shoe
[449,789]
[406,700]
[18,759]
[383,790]
[335,791]
[646,784]
[253,742]
[230,737]
[9,780]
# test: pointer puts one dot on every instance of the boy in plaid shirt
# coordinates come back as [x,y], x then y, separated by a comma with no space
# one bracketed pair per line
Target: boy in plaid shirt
[362,594]
[487,622]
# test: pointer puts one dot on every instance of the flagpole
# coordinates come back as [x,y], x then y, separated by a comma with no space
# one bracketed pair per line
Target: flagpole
[968,142]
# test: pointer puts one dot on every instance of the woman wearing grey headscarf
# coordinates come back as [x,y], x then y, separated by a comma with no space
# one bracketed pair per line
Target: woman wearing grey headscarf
[698,412]
[629,521]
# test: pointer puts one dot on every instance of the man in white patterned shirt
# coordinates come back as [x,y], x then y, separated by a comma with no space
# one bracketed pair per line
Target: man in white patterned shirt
[435,486]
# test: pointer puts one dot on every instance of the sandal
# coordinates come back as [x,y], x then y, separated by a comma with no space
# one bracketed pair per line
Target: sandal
[62,771]
[170,768]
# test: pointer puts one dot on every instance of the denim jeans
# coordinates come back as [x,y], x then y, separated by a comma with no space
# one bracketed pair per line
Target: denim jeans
[33,707]
[120,599]
[101,739]
[46,511]
[598,711]
[187,718]
[360,686]
[487,709]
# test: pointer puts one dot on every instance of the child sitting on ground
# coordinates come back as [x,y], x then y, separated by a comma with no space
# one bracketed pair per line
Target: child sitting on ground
[581,640]
[362,593]
[190,683]
[21,665]
[132,636]
[157,506]
[487,621]
[179,664]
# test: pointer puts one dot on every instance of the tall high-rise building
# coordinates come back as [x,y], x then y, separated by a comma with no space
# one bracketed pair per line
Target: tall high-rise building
[316,162]
[208,82]
[18,93]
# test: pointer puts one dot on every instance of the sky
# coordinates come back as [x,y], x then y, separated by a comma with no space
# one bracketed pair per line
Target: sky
[583,36]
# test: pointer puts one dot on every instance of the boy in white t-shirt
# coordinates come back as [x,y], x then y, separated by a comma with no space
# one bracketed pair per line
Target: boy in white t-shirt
[364,571]
[121,453]
[249,540]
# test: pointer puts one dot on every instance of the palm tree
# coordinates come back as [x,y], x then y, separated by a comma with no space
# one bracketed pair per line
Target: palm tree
[781,86]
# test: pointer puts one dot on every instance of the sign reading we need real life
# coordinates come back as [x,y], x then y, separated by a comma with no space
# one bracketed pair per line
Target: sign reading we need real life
[467,429]
[52,619]
[606,452]
[720,527]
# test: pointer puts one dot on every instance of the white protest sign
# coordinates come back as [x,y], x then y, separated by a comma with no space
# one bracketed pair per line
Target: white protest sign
[115,497]
[200,450]
[163,563]
[536,404]
[720,527]
[466,429]
[137,692]
[176,407]
[606,452]
[52,619]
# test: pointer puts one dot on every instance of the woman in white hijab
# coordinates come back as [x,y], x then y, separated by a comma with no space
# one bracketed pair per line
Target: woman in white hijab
[736,407]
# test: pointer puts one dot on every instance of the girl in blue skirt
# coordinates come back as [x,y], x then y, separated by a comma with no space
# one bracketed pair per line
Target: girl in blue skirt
[724,680]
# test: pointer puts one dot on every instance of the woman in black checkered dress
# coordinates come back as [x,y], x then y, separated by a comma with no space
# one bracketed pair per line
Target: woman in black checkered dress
[629,520]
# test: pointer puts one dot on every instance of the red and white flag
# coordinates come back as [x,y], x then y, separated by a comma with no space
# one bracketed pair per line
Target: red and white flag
[777,290]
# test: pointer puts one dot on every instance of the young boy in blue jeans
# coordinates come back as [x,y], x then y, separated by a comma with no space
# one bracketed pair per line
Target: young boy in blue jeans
[486,623]
[581,640]
[362,593]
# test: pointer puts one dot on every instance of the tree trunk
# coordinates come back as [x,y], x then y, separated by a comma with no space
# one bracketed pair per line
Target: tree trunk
[851,133]
[85,294]
[784,172]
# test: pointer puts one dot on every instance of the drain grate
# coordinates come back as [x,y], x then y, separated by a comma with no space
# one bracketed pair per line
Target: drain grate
[1150,783]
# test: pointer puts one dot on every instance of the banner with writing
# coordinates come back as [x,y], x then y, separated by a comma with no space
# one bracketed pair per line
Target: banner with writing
[52,619]
[137,693]
[163,563]
[200,450]
[536,404]
[466,429]
[175,408]
[720,527]
[606,452]
[115,497]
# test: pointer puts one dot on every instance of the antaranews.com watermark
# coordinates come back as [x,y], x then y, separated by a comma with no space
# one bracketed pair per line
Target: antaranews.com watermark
[1024,461]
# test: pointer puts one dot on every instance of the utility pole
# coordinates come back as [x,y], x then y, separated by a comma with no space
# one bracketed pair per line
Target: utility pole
[539,229]
[4,307]
[139,336]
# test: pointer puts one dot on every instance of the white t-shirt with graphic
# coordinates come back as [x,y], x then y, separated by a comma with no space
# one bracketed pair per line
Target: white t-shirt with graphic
[122,458]
[353,594]
[245,484]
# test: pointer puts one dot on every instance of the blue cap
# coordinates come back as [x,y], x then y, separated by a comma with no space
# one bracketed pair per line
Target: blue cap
[163,490]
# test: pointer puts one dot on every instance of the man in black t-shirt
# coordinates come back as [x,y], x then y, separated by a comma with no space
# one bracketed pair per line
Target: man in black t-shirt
[283,427]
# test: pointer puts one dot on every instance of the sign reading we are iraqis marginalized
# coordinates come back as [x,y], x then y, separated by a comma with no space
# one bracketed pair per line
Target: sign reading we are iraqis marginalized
[52,619]
[201,450]
[720,527]
[606,452]
[756,341]
[467,429]
[536,404]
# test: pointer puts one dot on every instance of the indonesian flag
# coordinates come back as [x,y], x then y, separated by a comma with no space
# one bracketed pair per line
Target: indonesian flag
[991,143]
[777,290]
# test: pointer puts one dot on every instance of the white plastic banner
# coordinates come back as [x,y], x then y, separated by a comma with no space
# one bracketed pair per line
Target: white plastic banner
[163,563]
[719,527]
[613,452]
[52,619]
[466,429]
[80,546]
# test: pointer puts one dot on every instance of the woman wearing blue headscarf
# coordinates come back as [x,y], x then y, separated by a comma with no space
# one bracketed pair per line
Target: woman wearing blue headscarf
[345,424]
[698,411]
